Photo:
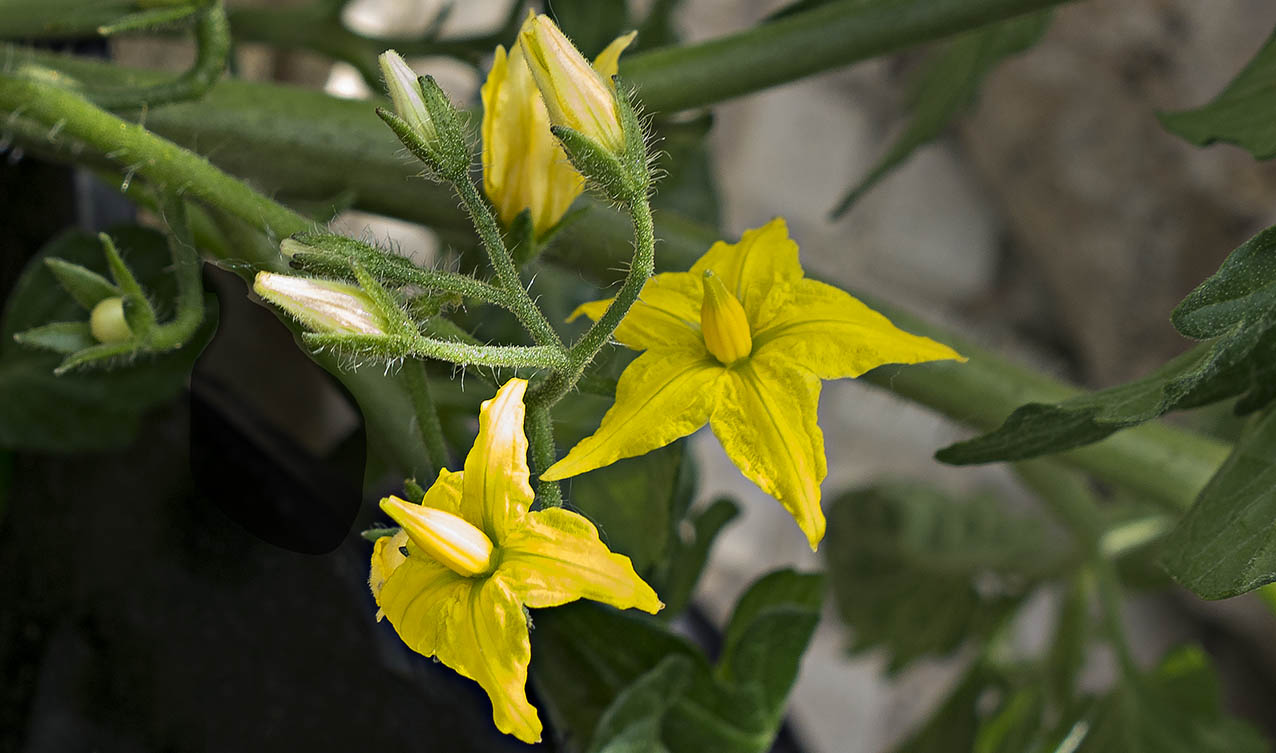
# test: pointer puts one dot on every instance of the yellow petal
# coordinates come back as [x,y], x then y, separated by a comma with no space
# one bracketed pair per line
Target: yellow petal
[496,473]
[763,258]
[473,625]
[666,314]
[826,330]
[556,557]
[767,423]
[573,92]
[608,61]
[445,537]
[387,555]
[663,395]
[524,167]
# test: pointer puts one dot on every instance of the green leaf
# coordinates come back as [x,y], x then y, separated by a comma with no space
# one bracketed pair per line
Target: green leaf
[947,85]
[676,581]
[1234,310]
[1175,710]
[637,503]
[954,724]
[632,723]
[1015,726]
[1243,114]
[918,573]
[585,656]
[91,410]
[1226,544]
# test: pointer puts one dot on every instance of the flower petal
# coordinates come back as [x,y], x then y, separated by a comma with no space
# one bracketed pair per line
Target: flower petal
[387,555]
[473,625]
[608,61]
[666,314]
[445,494]
[524,167]
[662,396]
[767,423]
[763,258]
[556,557]
[496,473]
[828,331]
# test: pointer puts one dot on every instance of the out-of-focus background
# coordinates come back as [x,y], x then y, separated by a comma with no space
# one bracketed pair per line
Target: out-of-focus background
[1056,221]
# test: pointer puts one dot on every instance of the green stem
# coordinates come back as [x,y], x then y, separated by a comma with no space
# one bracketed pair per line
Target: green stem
[1110,598]
[212,39]
[540,427]
[518,301]
[138,151]
[427,416]
[462,354]
[186,268]
[584,350]
[1067,495]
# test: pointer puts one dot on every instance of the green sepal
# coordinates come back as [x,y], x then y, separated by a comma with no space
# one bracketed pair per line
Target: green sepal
[59,337]
[138,311]
[414,143]
[624,178]
[372,534]
[87,287]
[452,148]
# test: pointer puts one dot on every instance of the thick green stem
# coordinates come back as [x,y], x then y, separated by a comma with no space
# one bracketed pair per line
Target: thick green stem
[138,151]
[190,291]
[427,416]
[540,428]
[519,302]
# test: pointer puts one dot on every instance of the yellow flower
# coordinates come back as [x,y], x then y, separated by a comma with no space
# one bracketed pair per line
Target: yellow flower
[741,342]
[577,96]
[475,556]
[524,167]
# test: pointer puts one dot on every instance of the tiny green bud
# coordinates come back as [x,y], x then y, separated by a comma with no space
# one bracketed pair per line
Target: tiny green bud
[107,321]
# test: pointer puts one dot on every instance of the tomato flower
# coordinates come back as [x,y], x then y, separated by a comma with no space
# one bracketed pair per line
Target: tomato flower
[741,342]
[471,556]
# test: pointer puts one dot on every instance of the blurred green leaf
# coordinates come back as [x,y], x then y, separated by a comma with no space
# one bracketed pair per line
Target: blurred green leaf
[947,85]
[1243,114]
[953,726]
[94,410]
[676,580]
[1071,635]
[1177,709]
[585,656]
[636,503]
[632,723]
[1234,310]
[919,573]
[1226,544]
[1015,726]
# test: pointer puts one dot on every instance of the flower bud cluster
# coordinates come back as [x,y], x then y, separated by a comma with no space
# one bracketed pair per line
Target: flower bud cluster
[424,119]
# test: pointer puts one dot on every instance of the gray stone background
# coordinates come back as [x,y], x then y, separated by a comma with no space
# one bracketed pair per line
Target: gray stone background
[1056,221]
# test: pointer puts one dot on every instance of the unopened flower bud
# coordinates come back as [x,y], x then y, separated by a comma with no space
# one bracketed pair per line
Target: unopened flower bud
[450,539]
[575,95]
[723,322]
[405,92]
[322,305]
[107,321]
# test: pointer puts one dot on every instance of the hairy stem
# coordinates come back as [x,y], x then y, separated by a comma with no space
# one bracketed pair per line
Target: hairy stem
[517,299]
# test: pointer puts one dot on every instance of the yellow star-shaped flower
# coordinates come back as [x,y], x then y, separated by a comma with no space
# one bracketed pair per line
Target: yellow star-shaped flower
[455,580]
[741,342]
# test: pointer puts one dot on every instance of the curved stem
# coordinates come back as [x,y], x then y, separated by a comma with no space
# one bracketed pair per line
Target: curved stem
[518,301]
[212,39]
[540,427]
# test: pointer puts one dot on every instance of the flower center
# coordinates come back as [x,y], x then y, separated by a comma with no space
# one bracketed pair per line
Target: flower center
[448,538]
[723,323]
